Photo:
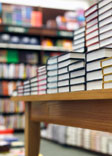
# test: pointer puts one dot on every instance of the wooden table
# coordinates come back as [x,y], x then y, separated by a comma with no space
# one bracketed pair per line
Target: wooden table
[86,109]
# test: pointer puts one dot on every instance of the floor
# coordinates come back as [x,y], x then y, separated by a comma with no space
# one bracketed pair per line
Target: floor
[49,148]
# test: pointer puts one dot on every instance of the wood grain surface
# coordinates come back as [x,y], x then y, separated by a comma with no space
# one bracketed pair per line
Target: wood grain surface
[96,115]
[82,95]
[32,134]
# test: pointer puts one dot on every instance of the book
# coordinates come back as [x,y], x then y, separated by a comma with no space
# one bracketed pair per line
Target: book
[105,8]
[93,85]
[106,62]
[26,82]
[79,31]
[62,70]
[105,28]
[99,54]
[66,63]
[92,16]
[78,73]
[92,34]
[63,76]
[107,70]
[64,89]
[77,65]
[106,42]
[34,88]
[12,56]
[106,35]
[105,15]
[78,41]
[92,22]
[108,85]
[93,65]
[43,77]
[42,82]
[103,3]
[78,80]
[52,73]
[94,75]
[42,91]
[34,79]
[63,83]
[52,60]
[78,46]
[79,87]
[52,67]
[80,50]
[52,85]
[81,35]
[108,77]
[106,21]
[52,91]
[35,84]
[52,78]
[92,28]
[92,41]
[72,55]
[91,9]
[34,92]
[43,86]
[94,46]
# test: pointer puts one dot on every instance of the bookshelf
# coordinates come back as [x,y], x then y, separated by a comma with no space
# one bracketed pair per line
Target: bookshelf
[85,109]
[42,52]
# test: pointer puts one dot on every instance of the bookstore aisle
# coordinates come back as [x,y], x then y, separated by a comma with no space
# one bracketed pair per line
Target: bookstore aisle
[60,150]
[46,50]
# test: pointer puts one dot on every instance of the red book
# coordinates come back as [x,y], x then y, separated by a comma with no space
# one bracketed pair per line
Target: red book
[36,19]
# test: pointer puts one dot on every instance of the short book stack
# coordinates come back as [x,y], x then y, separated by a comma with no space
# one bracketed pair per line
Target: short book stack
[106,65]
[39,82]
[59,71]
[94,75]
[79,44]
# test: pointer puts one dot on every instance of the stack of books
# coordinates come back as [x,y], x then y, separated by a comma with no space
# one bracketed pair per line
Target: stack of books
[61,71]
[94,75]
[77,76]
[79,40]
[105,23]
[26,87]
[52,75]
[106,65]
[39,82]
[20,90]
[42,80]
[92,28]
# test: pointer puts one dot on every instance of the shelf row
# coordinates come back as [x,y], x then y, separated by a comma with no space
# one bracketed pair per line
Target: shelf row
[32,47]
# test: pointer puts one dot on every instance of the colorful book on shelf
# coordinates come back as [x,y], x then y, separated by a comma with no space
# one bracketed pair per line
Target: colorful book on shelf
[12,56]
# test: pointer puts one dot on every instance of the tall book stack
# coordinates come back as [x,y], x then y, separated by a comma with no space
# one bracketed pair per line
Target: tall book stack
[79,40]
[92,28]
[106,65]
[39,82]
[105,23]
[94,75]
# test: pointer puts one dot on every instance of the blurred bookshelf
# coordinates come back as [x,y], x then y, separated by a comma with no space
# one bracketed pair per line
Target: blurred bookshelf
[28,37]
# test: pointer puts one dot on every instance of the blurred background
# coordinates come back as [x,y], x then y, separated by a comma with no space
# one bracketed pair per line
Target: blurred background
[31,32]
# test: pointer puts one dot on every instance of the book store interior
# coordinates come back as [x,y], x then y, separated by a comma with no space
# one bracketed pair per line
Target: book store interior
[56,78]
